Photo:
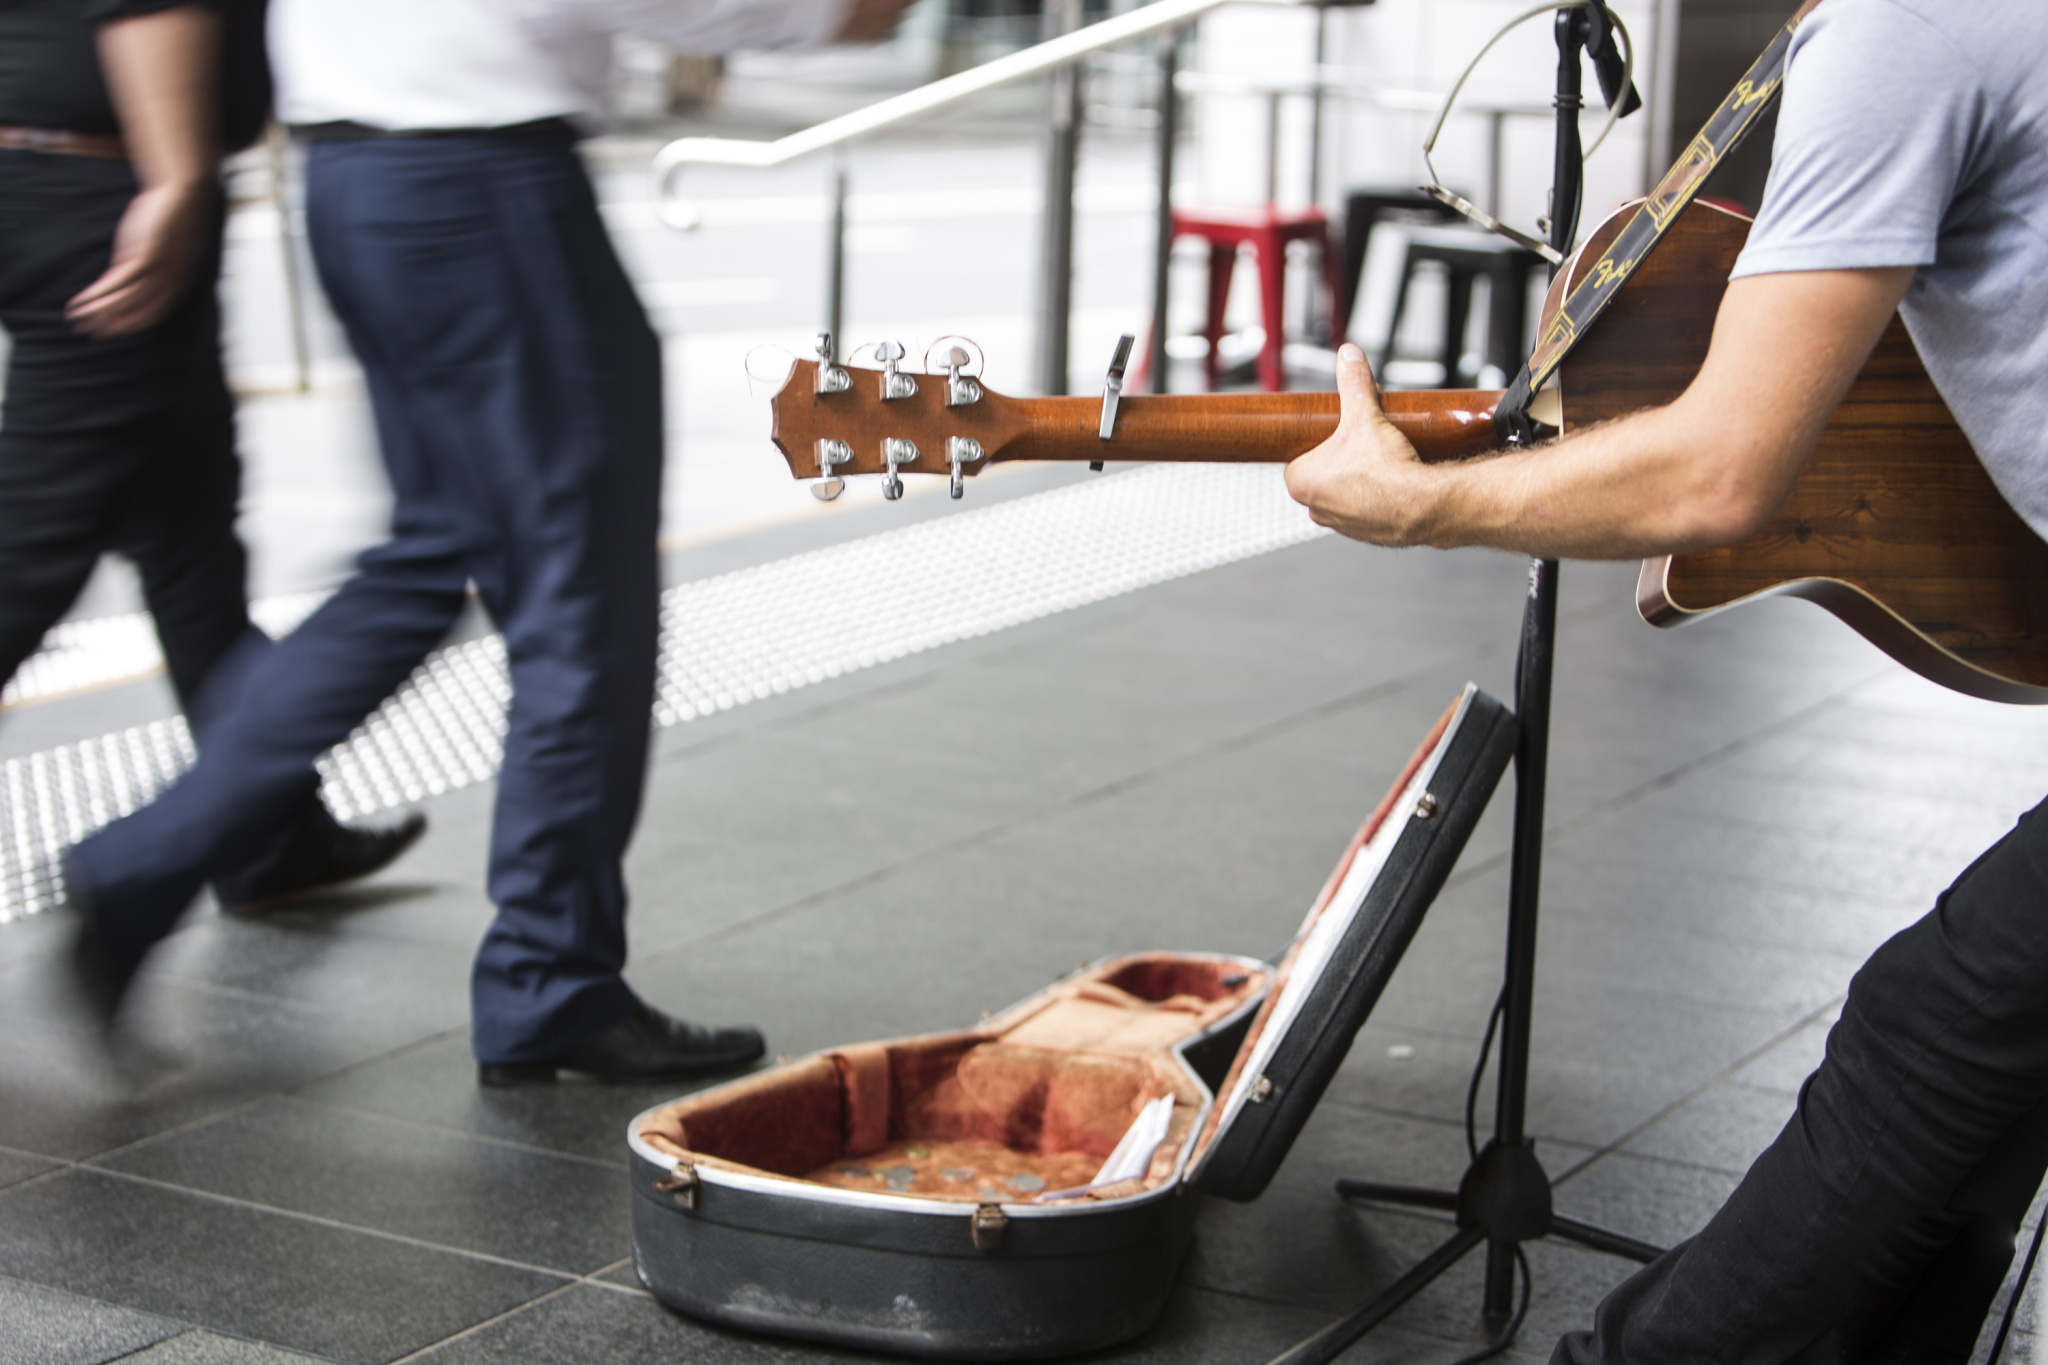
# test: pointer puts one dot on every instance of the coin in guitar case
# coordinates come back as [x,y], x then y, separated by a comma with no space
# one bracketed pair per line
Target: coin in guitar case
[1026,1183]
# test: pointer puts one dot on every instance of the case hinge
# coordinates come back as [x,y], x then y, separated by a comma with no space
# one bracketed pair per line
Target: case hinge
[1262,1090]
[988,1225]
[680,1185]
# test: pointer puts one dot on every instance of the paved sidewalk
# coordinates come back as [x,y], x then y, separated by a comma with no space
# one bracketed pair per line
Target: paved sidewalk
[1739,812]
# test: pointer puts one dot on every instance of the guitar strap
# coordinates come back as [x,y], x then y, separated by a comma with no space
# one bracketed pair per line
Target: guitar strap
[1752,95]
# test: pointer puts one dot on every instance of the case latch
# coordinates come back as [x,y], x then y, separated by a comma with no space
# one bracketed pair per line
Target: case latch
[988,1225]
[680,1185]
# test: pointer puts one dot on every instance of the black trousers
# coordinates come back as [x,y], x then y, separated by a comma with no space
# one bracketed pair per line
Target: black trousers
[1879,1224]
[124,445]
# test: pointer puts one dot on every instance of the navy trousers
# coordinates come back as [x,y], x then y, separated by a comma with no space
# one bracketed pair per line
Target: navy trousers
[1879,1223]
[517,391]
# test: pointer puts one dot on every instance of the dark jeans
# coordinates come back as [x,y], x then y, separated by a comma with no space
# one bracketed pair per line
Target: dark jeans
[517,391]
[1878,1224]
[123,445]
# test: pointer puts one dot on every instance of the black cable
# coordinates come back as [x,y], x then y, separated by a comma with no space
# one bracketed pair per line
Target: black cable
[1514,1327]
[2019,1291]
[1500,1003]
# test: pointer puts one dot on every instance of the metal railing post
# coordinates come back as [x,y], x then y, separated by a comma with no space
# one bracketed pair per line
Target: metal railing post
[1056,271]
[275,147]
[835,260]
[1169,134]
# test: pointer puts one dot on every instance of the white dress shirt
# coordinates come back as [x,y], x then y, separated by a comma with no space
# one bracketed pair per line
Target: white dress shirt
[490,63]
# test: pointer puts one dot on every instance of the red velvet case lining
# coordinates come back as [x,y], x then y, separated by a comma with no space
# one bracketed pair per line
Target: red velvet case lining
[1035,1099]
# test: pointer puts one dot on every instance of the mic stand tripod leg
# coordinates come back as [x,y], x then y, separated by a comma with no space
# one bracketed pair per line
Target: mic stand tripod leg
[1600,1239]
[1330,1343]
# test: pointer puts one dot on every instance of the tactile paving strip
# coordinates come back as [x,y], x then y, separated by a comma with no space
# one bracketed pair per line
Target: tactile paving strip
[111,649]
[726,641]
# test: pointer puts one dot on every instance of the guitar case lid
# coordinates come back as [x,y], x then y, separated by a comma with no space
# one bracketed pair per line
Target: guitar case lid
[1340,961]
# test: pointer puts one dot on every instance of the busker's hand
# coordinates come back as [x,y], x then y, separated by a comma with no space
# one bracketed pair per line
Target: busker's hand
[1366,481]
[155,246]
[869,21]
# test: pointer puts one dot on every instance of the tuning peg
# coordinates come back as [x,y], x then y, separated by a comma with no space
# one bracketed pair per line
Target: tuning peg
[831,378]
[828,485]
[895,383]
[961,450]
[895,452]
[960,390]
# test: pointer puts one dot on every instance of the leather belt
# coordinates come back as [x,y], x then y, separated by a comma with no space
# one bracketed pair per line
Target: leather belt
[64,143]
[346,130]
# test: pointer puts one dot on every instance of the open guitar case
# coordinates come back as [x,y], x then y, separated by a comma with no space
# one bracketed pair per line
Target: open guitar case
[1023,1188]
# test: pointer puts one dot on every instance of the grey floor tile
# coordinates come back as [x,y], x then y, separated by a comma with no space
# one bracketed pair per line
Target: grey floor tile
[1870,870]
[261,1276]
[1736,793]
[1582,880]
[1785,1067]
[19,1166]
[1569,1283]
[318,963]
[211,1348]
[208,1050]
[33,936]
[589,1323]
[1659,1202]
[41,1326]
[380,1173]
[436,1084]
[1724,1129]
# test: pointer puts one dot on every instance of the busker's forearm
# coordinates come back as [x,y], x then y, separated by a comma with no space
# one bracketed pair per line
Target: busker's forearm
[1708,469]
[1648,484]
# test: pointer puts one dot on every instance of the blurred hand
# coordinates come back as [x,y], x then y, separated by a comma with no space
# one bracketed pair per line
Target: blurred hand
[1366,481]
[869,21]
[155,246]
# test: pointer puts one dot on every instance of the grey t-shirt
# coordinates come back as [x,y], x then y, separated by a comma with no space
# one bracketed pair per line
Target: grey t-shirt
[1915,132]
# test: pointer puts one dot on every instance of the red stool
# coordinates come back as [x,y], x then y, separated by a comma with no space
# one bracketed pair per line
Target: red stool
[1267,231]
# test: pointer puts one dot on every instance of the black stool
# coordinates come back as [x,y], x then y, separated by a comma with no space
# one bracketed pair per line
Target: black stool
[1363,210]
[1468,256]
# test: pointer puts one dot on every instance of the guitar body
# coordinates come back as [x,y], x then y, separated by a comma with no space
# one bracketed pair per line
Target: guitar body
[1893,525]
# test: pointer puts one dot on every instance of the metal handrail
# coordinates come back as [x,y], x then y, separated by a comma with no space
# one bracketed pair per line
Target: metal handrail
[1047,56]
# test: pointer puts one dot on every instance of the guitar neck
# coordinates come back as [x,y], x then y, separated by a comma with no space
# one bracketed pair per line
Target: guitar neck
[1242,428]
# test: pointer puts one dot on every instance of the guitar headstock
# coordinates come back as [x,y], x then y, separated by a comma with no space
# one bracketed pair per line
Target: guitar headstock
[833,420]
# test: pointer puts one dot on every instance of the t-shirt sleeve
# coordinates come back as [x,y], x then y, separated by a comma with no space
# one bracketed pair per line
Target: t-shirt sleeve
[1875,131]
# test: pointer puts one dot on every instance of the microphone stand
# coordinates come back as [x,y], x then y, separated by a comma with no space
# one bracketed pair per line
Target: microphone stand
[1504,1198]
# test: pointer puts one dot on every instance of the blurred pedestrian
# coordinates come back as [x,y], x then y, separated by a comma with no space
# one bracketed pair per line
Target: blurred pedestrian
[517,391]
[118,432]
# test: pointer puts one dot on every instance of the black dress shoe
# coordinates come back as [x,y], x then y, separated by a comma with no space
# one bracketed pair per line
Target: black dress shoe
[101,972]
[649,1046]
[313,853]
[100,967]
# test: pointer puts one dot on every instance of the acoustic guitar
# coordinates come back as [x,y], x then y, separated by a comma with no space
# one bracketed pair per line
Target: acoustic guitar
[1893,525]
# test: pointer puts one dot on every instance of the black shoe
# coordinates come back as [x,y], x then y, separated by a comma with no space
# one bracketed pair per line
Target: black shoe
[101,969]
[650,1046]
[100,972]
[312,854]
